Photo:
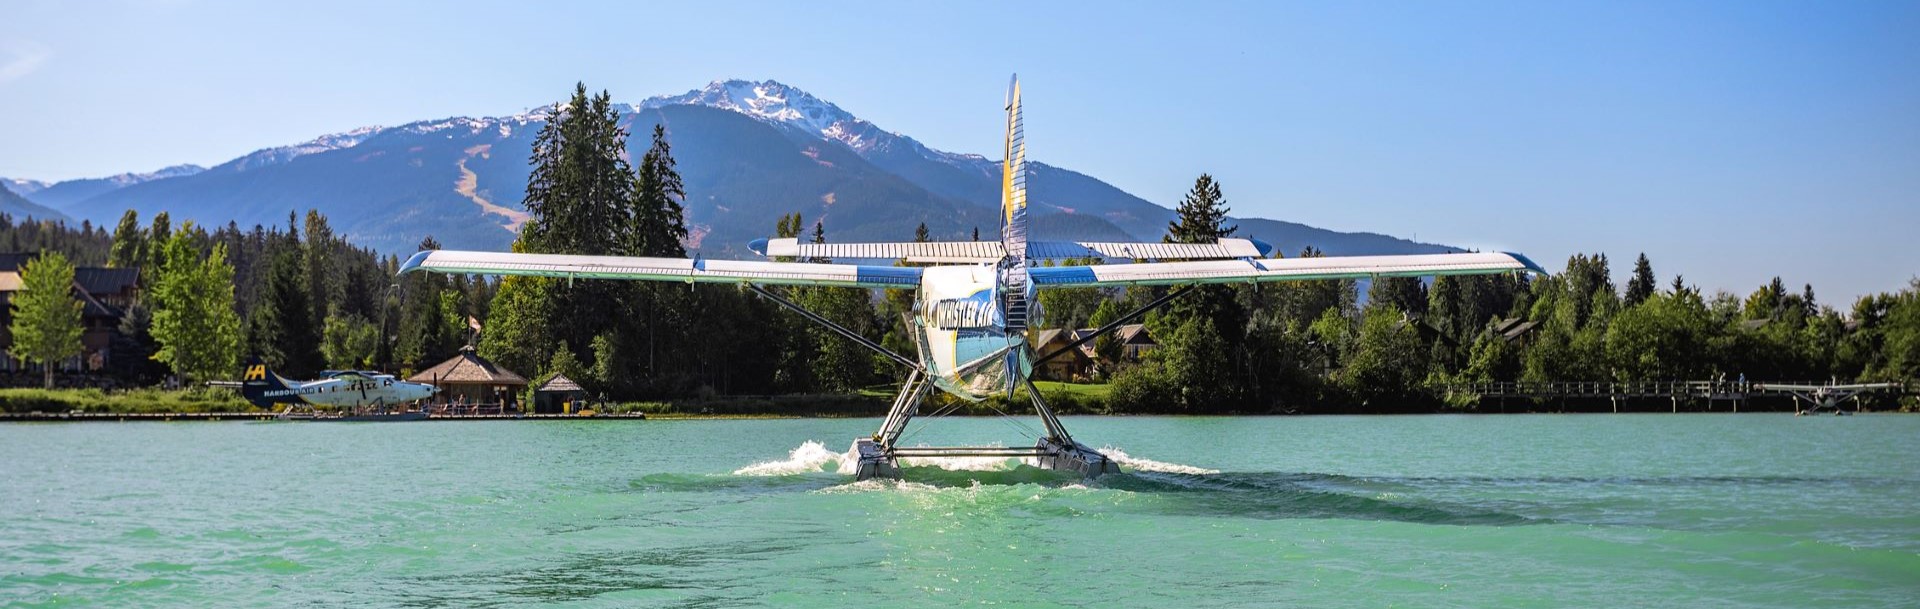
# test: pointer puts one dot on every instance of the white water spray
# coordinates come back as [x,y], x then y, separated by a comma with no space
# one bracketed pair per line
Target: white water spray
[810,457]
[1150,465]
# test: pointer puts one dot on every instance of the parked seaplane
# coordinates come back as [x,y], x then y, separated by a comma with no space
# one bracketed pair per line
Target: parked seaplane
[353,395]
[974,305]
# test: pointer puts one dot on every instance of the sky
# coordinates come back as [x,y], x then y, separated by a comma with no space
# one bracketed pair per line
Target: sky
[1729,141]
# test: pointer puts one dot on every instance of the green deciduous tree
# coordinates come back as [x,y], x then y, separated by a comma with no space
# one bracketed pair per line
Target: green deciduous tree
[350,342]
[46,324]
[1388,361]
[194,322]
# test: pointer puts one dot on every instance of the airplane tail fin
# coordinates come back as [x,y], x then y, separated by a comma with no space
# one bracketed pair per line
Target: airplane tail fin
[1013,179]
[264,388]
[1013,237]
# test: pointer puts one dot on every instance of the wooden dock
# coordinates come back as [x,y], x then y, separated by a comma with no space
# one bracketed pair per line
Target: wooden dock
[1712,392]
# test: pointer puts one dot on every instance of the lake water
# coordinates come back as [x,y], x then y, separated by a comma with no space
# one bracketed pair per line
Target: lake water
[1707,510]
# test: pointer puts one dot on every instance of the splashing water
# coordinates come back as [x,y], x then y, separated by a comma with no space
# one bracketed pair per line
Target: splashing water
[1150,465]
[810,457]
[814,457]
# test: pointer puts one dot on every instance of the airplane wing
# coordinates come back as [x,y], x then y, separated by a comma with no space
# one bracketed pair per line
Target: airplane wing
[663,269]
[962,252]
[1253,270]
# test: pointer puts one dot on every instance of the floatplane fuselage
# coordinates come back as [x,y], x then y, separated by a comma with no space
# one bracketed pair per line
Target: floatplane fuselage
[975,300]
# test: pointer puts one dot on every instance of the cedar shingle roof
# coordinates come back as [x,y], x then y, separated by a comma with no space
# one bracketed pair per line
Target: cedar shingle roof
[559,383]
[468,368]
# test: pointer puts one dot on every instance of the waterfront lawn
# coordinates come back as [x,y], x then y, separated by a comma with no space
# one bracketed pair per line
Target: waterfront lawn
[127,401]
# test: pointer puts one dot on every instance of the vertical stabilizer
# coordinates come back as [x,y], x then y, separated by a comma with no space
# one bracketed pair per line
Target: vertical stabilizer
[263,388]
[1014,287]
[1013,179]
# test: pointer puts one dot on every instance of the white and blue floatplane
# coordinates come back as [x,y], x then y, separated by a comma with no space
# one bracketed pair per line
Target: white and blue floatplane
[974,304]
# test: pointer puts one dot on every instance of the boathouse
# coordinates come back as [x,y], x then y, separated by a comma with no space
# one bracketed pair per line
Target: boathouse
[559,394]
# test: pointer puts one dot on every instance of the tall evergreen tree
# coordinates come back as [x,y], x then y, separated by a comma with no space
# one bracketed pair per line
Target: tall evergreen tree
[323,282]
[661,221]
[46,316]
[1404,294]
[1202,214]
[1202,219]
[288,336]
[129,242]
[1640,287]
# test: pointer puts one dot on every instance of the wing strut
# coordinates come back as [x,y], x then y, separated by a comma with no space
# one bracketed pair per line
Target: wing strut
[837,328]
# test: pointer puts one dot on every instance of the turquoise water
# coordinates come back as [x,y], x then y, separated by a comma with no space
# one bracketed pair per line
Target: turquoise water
[1711,510]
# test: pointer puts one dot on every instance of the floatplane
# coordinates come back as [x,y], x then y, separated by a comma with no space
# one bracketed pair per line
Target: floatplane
[976,301]
[349,395]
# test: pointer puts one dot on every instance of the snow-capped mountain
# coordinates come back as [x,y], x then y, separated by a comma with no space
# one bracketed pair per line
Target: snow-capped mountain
[282,154]
[62,194]
[747,151]
[23,187]
[773,102]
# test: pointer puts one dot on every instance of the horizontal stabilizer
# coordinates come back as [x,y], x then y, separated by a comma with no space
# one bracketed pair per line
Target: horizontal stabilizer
[961,252]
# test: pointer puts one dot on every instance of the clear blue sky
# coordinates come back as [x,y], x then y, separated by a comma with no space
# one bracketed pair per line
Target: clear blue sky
[1730,141]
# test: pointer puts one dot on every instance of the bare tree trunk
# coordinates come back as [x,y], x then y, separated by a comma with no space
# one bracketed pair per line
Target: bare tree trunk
[48,367]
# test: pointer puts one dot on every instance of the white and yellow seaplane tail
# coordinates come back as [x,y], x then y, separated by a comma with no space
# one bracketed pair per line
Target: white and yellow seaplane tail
[974,304]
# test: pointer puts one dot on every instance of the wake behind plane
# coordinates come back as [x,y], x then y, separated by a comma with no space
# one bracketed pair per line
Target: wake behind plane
[974,305]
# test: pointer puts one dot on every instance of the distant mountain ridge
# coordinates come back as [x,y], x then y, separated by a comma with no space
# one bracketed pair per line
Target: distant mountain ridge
[21,208]
[749,152]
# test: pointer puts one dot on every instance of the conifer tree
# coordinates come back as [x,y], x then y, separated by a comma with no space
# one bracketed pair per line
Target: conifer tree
[920,234]
[290,339]
[46,316]
[322,283]
[1202,214]
[1202,219]
[661,222]
[1640,287]
[129,242]
[158,233]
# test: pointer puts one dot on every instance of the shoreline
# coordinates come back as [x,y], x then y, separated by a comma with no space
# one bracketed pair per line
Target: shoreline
[170,417]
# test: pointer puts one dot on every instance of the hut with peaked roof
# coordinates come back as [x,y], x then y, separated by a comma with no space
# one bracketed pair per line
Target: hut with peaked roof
[553,395]
[471,379]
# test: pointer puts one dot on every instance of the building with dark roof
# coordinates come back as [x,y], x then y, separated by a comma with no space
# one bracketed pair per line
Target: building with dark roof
[104,294]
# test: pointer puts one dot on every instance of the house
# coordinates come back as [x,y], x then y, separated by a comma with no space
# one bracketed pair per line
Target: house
[1133,339]
[104,294]
[1074,364]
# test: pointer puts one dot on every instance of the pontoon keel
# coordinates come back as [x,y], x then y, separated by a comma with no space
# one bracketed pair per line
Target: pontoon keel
[876,461]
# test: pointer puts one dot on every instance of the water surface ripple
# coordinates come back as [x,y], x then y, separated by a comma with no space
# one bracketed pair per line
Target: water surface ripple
[1749,510]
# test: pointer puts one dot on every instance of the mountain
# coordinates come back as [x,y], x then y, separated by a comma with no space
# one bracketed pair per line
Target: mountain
[23,187]
[63,194]
[748,152]
[13,204]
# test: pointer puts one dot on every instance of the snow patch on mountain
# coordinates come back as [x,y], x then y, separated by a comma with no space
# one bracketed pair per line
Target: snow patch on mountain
[23,186]
[275,156]
[793,108]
